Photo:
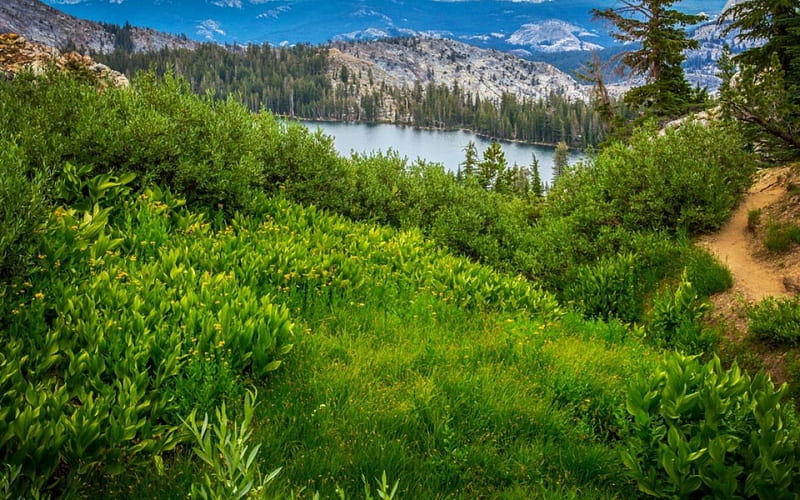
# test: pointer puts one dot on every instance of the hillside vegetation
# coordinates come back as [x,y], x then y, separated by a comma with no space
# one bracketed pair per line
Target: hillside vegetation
[198,299]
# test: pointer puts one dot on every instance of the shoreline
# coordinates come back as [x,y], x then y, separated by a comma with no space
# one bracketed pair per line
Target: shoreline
[428,129]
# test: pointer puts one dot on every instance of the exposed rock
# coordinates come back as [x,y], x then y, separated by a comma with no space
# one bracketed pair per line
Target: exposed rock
[553,35]
[18,54]
[485,73]
[41,23]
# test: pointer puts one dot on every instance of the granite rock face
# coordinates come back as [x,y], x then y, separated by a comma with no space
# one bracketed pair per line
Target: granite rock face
[18,54]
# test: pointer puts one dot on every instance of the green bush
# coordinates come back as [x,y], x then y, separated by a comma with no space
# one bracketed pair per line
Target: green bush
[780,237]
[689,178]
[23,209]
[675,321]
[609,289]
[700,431]
[776,320]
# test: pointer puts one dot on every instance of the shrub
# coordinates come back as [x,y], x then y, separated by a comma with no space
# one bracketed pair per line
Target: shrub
[676,320]
[23,208]
[780,236]
[690,177]
[700,431]
[776,320]
[608,289]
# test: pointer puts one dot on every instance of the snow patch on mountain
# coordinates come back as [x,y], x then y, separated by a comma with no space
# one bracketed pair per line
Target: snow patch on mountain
[553,35]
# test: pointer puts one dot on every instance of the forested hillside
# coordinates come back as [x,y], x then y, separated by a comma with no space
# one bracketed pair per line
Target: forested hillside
[309,82]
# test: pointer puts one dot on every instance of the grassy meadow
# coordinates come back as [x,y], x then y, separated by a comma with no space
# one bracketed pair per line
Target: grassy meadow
[202,302]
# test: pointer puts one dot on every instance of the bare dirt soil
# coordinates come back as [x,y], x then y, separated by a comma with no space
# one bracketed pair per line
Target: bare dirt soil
[757,273]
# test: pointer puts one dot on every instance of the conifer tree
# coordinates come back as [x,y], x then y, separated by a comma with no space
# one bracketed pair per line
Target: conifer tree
[470,163]
[537,188]
[560,160]
[492,166]
[592,72]
[761,86]
[775,27]
[660,32]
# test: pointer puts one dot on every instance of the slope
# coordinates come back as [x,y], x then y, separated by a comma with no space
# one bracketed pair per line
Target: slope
[43,24]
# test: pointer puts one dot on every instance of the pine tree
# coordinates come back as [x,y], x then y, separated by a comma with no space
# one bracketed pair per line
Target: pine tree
[761,86]
[560,160]
[492,166]
[775,27]
[592,72]
[660,32]
[470,163]
[537,188]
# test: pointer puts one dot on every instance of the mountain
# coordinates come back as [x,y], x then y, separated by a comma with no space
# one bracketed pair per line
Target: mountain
[701,63]
[41,23]
[553,36]
[486,73]
[501,24]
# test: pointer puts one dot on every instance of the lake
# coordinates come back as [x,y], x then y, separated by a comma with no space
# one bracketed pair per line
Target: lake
[444,147]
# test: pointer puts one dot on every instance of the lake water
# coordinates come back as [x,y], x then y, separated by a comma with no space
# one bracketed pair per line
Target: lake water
[444,147]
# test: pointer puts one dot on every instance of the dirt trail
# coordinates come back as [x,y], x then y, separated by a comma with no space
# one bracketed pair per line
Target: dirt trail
[753,278]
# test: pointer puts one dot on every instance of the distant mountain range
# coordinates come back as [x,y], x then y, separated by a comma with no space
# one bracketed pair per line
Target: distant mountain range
[531,25]
[560,33]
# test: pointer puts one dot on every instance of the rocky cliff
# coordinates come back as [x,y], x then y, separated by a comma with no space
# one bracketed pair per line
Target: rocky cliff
[18,54]
[488,74]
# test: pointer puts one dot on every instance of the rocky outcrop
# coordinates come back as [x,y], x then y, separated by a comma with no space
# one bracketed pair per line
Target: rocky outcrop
[41,23]
[481,72]
[18,54]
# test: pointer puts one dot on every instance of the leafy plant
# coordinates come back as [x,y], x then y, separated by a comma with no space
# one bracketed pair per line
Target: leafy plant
[776,320]
[226,450]
[23,208]
[698,430]
[676,320]
[608,289]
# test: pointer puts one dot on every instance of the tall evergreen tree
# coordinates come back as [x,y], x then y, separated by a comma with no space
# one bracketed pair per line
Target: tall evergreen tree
[659,31]
[761,85]
[492,166]
[592,72]
[774,25]
[470,163]
[560,160]
[537,188]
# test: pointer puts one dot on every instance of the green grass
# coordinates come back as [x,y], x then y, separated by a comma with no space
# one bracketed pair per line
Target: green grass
[454,379]
[449,402]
